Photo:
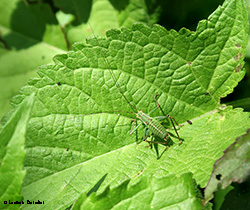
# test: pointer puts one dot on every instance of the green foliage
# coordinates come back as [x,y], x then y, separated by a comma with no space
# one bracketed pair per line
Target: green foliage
[234,165]
[238,197]
[29,37]
[79,130]
[111,14]
[12,140]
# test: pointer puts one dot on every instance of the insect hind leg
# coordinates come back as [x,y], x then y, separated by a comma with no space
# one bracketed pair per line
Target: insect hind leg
[172,122]
[157,107]
[147,135]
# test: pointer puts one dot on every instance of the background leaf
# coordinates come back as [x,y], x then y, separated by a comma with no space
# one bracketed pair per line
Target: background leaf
[12,140]
[233,166]
[111,14]
[237,198]
[29,38]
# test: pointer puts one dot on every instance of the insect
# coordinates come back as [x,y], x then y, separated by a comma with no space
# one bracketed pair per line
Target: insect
[153,126]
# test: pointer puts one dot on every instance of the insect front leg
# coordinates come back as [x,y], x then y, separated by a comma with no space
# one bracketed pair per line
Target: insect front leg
[132,130]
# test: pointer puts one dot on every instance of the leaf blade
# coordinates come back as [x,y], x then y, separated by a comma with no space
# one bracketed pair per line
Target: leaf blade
[12,155]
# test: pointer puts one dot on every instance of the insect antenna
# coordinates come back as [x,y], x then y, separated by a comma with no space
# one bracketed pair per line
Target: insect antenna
[118,111]
[111,73]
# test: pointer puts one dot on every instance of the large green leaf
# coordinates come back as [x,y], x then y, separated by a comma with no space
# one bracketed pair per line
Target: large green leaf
[76,134]
[12,153]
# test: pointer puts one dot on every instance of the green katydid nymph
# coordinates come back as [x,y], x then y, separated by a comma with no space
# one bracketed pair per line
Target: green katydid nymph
[153,126]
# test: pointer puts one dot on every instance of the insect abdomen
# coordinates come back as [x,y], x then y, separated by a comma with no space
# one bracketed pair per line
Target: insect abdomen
[157,129]
[153,125]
